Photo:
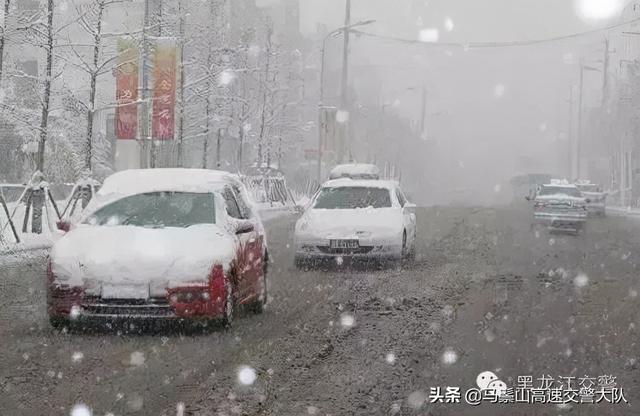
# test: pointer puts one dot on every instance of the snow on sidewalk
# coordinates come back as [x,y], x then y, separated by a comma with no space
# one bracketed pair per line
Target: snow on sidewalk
[623,211]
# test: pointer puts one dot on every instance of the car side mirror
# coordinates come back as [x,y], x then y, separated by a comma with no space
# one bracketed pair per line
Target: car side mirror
[410,205]
[63,226]
[528,198]
[244,227]
[299,209]
[588,201]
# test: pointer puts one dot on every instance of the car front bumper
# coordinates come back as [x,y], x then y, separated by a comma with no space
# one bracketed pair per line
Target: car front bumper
[561,220]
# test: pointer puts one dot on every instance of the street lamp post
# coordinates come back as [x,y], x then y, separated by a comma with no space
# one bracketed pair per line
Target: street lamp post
[580,100]
[321,105]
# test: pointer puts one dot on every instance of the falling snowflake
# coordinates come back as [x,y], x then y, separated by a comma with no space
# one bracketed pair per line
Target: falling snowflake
[75,312]
[342,116]
[312,410]
[80,410]
[390,358]
[180,409]
[552,241]
[395,408]
[347,320]
[591,10]
[497,188]
[499,90]
[489,335]
[77,356]
[339,260]
[581,280]
[633,293]
[448,24]
[429,35]
[226,77]
[137,358]
[449,356]
[542,127]
[567,58]
[416,399]
[246,375]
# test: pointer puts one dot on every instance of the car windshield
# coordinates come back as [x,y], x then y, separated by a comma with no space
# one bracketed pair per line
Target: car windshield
[588,188]
[560,190]
[350,197]
[157,210]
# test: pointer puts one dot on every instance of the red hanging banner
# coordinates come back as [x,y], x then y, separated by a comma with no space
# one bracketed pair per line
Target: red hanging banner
[164,89]
[127,90]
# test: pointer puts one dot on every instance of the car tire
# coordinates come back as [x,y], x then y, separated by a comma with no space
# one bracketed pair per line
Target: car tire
[258,306]
[229,305]
[59,323]
[300,264]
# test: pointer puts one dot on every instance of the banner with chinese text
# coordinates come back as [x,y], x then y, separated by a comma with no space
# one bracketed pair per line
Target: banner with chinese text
[164,88]
[126,72]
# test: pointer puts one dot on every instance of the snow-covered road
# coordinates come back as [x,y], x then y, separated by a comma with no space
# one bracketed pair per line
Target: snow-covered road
[484,293]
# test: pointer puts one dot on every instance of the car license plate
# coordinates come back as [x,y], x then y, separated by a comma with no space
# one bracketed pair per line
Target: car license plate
[344,243]
[125,291]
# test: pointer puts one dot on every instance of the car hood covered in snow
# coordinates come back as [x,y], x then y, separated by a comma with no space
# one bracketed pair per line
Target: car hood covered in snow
[350,223]
[93,256]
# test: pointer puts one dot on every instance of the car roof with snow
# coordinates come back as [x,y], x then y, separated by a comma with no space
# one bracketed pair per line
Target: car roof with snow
[367,183]
[136,181]
[355,171]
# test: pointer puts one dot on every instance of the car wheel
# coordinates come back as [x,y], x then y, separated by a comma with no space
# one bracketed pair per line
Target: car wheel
[259,304]
[229,305]
[58,323]
[404,244]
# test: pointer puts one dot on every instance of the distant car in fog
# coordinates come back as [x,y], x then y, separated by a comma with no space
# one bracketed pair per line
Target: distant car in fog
[560,206]
[355,171]
[168,244]
[528,184]
[596,199]
[356,219]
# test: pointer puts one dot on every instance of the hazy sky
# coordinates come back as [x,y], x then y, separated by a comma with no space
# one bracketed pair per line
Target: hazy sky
[474,20]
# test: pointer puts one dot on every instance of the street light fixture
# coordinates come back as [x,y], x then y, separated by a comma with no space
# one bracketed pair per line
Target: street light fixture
[334,33]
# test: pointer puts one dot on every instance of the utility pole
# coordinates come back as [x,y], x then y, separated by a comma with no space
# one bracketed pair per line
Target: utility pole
[605,74]
[423,114]
[146,105]
[570,138]
[181,121]
[579,138]
[344,93]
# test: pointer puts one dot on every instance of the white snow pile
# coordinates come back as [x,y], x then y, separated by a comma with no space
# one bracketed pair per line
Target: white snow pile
[135,256]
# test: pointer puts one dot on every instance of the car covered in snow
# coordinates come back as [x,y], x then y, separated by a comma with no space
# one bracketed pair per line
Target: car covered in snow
[355,171]
[596,199]
[560,206]
[358,219]
[179,244]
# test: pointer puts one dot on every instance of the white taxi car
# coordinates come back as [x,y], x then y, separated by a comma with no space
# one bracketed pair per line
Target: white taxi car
[358,219]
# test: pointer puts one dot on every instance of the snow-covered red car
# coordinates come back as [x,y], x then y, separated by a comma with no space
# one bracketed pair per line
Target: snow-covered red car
[160,244]
[357,219]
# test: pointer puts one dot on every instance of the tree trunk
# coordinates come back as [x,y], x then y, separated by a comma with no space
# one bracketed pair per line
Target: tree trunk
[44,120]
[7,4]
[97,39]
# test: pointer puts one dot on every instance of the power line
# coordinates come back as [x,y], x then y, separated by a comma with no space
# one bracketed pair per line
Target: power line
[508,44]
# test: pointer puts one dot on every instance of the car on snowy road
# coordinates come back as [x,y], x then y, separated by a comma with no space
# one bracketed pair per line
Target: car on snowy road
[560,206]
[597,204]
[356,219]
[355,171]
[178,244]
